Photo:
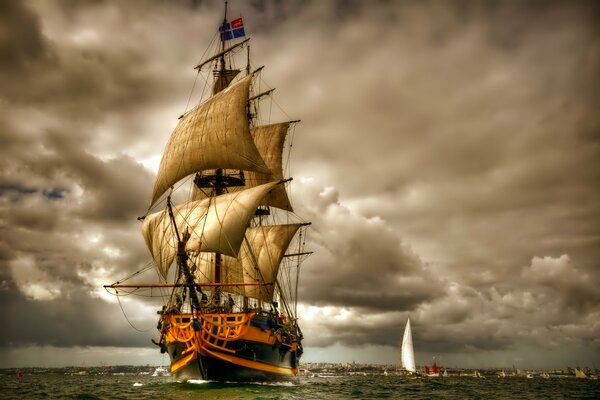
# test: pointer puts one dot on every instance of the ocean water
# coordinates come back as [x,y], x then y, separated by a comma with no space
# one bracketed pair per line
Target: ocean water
[126,387]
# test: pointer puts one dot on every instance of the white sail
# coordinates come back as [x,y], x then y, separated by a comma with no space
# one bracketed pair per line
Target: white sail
[215,134]
[215,224]
[407,353]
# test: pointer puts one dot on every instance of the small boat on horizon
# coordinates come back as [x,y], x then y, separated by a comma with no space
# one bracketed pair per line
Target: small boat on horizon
[431,372]
[407,356]
[161,371]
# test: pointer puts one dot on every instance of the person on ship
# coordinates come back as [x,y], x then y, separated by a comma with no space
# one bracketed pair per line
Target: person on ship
[203,300]
[229,305]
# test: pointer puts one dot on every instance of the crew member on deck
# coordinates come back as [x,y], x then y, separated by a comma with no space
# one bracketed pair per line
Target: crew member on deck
[230,304]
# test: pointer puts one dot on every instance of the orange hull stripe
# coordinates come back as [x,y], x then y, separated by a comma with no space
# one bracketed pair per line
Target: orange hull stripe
[183,361]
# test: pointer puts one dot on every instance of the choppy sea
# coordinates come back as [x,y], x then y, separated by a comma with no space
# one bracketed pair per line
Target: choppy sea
[126,387]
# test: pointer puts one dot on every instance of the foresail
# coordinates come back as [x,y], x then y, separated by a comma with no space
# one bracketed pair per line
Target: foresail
[161,241]
[269,140]
[215,224]
[216,134]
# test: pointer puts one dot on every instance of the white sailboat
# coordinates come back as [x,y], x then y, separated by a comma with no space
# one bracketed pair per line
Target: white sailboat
[407,356]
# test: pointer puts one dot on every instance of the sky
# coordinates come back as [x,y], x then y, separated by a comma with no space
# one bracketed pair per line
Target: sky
[448,158]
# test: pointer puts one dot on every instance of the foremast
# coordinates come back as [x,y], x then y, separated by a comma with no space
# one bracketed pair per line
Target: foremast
[182,260]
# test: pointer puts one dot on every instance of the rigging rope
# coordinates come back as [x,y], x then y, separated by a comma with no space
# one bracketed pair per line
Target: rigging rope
[146,268]
[125,315]
[198,73]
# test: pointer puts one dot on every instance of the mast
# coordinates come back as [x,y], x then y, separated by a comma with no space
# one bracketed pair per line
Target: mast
[220,72]
[220,84]
[182,258]
[223,36]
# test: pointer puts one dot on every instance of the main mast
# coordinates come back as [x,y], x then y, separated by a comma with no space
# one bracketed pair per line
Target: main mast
[223,76]
[217,182]
[219,85]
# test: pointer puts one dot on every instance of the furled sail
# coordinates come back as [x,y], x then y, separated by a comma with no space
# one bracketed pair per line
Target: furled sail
[407,352]
[215,224]
[215,134]
[269,140]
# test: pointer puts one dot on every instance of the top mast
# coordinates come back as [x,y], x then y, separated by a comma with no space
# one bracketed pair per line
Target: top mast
[222,70]
[222,63]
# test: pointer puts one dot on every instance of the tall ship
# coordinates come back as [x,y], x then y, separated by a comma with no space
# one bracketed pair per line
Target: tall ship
[222,233]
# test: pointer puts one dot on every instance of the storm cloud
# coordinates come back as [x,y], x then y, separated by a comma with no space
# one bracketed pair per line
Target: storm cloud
[448,159]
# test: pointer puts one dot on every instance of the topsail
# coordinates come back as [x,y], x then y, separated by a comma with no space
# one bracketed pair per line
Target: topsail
[269,140]
[216,134]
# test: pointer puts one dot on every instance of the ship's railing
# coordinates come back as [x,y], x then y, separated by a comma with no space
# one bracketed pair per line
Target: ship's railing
[181,331]
[210,330]
[219,329]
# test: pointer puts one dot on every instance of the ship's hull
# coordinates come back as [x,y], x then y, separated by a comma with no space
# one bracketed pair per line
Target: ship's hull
[230,347]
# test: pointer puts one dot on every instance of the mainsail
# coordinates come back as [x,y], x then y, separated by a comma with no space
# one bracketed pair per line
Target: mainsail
[407,353]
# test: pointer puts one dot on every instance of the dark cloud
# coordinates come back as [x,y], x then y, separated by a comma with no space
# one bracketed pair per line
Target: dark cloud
[21,41]
[452,146]
[74,320]
[359,262]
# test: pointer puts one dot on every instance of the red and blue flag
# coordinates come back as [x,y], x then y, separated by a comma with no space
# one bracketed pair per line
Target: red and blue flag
[233,29]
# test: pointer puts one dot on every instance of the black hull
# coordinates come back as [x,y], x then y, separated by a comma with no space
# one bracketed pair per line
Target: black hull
[211,369]
[265,358]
